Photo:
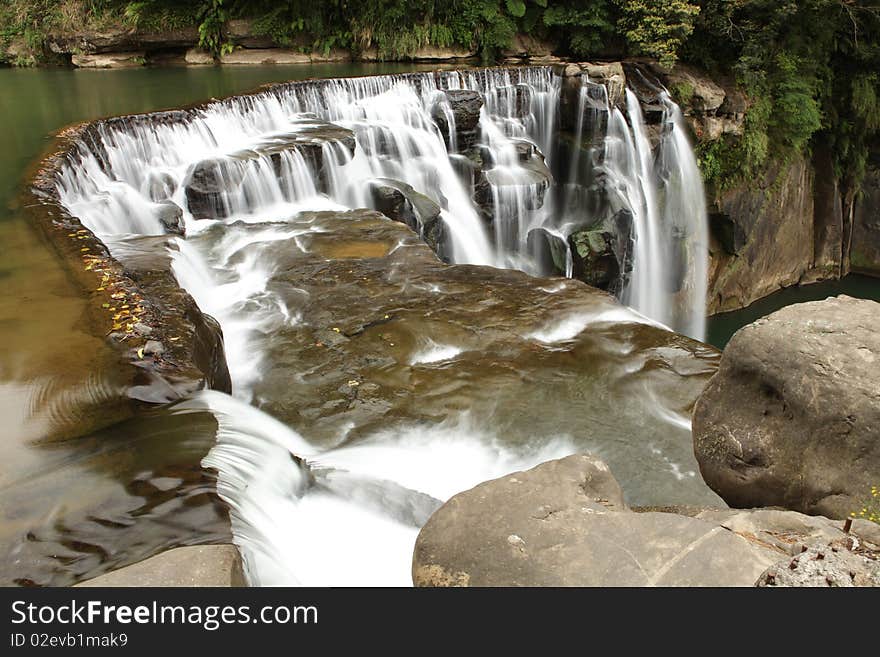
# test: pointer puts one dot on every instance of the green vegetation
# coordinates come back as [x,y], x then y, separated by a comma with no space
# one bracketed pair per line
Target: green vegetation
[809,67]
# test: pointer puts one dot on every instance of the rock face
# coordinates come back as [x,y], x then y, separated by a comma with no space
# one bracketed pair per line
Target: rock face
[564,523]
[865,252]
[744,220]
[792,417]
[110,60]
[265,56]
[198,565]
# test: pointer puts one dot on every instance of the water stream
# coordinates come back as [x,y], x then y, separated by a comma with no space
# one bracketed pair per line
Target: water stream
[372,382]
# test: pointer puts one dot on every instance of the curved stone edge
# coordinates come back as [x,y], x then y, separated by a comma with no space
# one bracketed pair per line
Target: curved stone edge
[191,566]
[160,312]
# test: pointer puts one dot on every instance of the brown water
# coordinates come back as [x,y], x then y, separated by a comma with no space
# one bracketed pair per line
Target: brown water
[77,507]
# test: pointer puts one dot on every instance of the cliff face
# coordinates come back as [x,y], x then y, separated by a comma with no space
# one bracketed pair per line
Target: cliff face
[865,251]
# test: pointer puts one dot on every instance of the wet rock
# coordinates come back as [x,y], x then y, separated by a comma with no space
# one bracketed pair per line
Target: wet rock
[465,105]
[549,249]
[198,565]
[374,284]
[823,567]
[792,415]
[594,257]
[171,216]
[207,185]
[564,523]
[532,171]
[400,202]
[110,60]
[611,76]
[161,187]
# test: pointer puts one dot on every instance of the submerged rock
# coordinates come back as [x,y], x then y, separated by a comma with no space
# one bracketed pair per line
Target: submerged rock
[792,418]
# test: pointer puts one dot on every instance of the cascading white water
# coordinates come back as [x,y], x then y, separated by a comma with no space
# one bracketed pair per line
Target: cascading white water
[298,523]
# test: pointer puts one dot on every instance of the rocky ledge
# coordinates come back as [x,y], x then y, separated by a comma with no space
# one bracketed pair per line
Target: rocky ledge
[565,523]
[170,348]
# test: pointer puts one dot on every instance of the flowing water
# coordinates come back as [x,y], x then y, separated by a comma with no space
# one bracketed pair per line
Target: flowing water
[371,382]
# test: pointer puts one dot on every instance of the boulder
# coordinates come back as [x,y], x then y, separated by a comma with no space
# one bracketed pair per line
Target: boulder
[206,187]
[110,60]
[792,532]
[792,417]
[198,565]
[549,249]
[564,523]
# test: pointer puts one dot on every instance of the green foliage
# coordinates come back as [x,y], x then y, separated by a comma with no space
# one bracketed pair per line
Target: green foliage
[585,26]
[810,68]
[682,92]
[658,27]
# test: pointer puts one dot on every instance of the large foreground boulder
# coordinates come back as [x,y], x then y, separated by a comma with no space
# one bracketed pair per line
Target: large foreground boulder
[792,417]
[564,523]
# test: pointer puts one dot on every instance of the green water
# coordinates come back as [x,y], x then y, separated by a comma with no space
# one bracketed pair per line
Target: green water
[721,327]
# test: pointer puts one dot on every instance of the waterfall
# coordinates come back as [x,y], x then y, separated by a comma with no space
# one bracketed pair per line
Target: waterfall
[235,177]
